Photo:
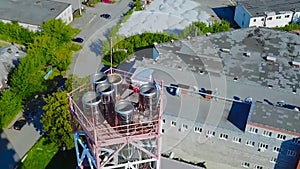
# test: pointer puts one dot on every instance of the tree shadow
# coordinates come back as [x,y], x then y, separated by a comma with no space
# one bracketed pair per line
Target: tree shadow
[226,13]
[95,47]
[8,156]
[63,159]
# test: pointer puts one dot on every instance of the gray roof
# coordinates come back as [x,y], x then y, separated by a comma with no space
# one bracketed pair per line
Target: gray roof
[9,59]
[199,62]
[259,7]
[33,12]
[278,117]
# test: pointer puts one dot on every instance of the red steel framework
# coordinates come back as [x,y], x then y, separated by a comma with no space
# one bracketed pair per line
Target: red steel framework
[119,138]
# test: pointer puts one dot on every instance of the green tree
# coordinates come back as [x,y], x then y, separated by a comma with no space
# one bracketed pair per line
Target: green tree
[11,105]
[27,79]
[57,120]
[57,29]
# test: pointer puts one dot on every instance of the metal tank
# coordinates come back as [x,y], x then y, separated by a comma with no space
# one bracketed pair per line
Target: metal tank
[124,110]
[90,101]
[108,98]
[148,98]
[116,80]
[98,78]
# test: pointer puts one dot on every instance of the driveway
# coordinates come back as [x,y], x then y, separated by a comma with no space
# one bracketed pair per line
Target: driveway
[95,30]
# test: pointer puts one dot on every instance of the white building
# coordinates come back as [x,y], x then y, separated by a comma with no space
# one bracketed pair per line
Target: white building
[266,13]
[32,13]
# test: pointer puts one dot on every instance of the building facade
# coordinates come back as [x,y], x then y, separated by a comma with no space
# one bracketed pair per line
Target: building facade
[266,14]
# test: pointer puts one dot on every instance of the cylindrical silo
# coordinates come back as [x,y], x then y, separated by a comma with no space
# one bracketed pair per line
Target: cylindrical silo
[116,80]
[108,98]
[98,78]
[124,110]
[148,100]
[90,101]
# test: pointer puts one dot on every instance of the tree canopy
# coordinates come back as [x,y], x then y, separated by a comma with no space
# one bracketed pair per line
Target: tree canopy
[57,119]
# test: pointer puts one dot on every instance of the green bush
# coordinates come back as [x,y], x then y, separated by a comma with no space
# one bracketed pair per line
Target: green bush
[289,27]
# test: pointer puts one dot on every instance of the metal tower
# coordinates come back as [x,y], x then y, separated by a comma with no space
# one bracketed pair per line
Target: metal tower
[119,122]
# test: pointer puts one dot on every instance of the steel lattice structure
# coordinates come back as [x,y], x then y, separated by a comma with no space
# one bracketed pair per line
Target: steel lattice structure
[105,144]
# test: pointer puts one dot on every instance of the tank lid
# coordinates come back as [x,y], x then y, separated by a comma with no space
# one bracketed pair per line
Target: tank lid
[124,107]
[98,78]
[105,88]
[148,90]
[91,98]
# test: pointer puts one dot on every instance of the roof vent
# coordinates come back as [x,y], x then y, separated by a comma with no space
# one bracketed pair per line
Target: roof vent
[271,59]
[225,50]
[52,9]
[37,2]
[247,54]
[297,64]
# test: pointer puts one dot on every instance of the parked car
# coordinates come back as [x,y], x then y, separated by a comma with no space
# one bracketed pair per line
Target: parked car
[77,39]
[19,124]
[106,16]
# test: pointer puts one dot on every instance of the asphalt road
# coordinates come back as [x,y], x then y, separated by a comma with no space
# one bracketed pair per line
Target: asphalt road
[95,30]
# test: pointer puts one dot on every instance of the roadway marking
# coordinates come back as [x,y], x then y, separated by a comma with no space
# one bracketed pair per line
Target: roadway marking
[92,19]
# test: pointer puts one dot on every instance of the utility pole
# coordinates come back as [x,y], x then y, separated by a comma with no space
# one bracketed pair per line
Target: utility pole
[79,6]
[111,55]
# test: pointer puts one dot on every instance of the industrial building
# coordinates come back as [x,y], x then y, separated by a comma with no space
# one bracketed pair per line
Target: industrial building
[266,13]
[31,14]
[239,104]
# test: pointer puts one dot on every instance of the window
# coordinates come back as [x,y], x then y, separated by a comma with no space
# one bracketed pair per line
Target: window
[197,129]
[245,164]
[291,153]
[270,18]
[262,19]
[210,133]
[258,167]
[296,140]
[263,146]
[276,149]
[287,16]
[250,143]
[164,121]
[237,139]
[253,130]
[267,133]
[273,160]
[162,131]
[223,136]
[173,123]
[281,137]
[184,126]
[254,20]
[278,17]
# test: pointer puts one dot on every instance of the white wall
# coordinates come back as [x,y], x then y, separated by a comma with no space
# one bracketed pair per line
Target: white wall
[31,27]
[67,15]
[257,21]
[241,16]
[279,19]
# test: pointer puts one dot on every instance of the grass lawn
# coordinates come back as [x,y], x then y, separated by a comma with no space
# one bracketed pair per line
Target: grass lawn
[48,156]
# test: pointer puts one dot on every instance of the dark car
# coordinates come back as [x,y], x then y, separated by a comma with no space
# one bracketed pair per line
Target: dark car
[19,124]
[106,16]
[78,39]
